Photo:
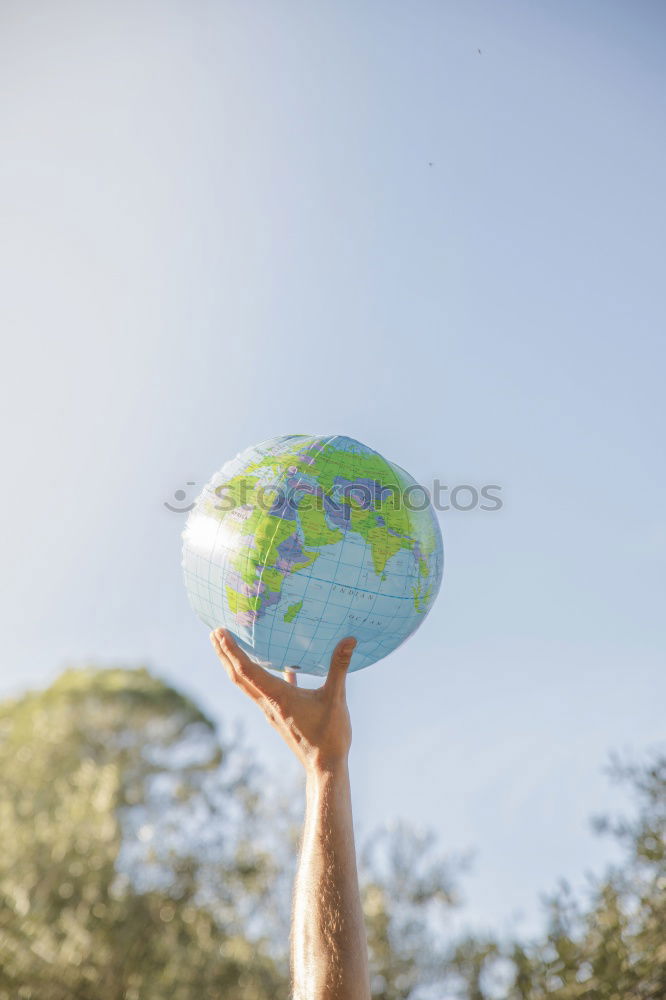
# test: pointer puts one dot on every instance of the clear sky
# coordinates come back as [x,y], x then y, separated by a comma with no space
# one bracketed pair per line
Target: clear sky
[219,224]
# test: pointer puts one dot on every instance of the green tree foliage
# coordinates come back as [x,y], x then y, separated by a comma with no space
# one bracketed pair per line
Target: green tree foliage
[128,870]
[406,894]
[144,859]
[610,946]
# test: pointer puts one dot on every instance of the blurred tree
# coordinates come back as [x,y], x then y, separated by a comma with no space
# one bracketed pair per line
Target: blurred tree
[611,946]
[128,869]
[406,896]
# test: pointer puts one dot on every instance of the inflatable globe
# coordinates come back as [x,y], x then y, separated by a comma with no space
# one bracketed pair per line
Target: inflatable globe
[300,541]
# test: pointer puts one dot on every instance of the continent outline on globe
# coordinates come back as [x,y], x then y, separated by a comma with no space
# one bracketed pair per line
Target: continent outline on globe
[263,552]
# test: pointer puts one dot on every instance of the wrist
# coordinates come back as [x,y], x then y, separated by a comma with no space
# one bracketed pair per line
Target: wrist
[326,769]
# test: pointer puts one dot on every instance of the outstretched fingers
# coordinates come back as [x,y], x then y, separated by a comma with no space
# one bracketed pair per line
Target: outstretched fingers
[249,676]
[340,660]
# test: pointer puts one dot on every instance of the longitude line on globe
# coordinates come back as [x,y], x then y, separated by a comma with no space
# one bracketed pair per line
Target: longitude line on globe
[275,609]
[330,590]
[378,642]
[263,567]
[333,438]
[210,562]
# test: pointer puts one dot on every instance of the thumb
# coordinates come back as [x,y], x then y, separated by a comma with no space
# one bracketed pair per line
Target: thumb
[340,660]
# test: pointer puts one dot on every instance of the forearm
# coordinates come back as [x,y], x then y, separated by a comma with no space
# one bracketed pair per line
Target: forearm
[329,947]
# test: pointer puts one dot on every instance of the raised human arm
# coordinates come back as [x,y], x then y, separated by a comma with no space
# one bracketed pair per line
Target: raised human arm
[329,954]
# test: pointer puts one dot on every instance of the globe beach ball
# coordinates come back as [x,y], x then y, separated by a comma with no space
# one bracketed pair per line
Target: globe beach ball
[302,540]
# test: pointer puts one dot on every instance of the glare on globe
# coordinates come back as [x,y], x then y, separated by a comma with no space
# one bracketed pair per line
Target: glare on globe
[303,540]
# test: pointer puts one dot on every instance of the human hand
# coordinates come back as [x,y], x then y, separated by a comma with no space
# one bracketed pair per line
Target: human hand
[314,723]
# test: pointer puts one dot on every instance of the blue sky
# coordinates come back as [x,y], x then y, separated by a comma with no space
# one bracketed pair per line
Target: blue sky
[219,225]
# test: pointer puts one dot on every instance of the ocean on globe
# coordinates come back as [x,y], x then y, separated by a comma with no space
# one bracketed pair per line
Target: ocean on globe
[303,540]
